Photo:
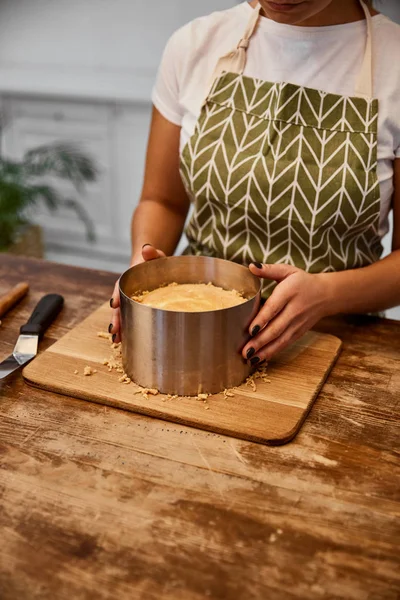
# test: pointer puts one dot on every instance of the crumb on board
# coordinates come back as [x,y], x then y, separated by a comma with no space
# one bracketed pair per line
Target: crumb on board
[87,371]
[104,335]
[146,391]
[228,394]
[76,372]
[251,383]
[261,373]
[272,538]
[153,392]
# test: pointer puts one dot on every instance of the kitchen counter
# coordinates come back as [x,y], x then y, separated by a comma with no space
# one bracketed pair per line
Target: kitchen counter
[100,503]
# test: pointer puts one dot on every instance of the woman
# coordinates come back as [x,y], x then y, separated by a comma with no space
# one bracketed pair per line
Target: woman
[280,122]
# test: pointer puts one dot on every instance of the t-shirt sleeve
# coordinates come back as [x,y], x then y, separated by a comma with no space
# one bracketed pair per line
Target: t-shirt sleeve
[165,94]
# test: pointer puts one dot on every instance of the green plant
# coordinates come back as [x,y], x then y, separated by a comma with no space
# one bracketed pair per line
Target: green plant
[23,186]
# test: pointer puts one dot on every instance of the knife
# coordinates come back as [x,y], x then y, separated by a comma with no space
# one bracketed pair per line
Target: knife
[27,345]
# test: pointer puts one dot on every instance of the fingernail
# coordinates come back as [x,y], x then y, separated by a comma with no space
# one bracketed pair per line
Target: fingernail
[254,361]
[114,337]
[258,265]
[110,328]
[255,330]
[112,302]
[250,352]
[144,245]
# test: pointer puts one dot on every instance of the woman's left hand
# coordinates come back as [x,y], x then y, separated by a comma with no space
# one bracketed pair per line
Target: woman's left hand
[299,300]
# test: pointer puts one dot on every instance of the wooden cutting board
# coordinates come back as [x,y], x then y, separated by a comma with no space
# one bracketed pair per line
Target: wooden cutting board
[271,414]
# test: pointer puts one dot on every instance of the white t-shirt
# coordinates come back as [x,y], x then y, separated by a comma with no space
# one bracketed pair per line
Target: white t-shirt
[323,58]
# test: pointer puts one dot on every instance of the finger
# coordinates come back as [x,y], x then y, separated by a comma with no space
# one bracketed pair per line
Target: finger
[151,253]
[115,326]
[272,307]
[115,301]
[274,330]
[291,335]
[274,272]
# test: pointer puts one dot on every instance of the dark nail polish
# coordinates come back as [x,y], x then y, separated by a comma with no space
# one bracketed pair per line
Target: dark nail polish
[111,302]
[250,352]
[255,330]
[258,265]
[110,327]
[254,361]
[114,337]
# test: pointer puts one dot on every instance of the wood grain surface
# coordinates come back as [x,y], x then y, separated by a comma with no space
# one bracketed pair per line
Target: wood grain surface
[272,413]
[97,502]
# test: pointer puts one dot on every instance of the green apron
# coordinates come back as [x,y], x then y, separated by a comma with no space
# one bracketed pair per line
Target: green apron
[280,173]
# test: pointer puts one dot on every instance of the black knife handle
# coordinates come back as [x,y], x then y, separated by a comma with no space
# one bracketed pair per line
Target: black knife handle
[44,314]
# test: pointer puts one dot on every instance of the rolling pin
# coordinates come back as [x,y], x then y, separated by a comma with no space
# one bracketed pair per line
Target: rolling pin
[12,297]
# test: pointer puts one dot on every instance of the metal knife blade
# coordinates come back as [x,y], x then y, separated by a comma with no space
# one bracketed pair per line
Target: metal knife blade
[25,349]
[27,344]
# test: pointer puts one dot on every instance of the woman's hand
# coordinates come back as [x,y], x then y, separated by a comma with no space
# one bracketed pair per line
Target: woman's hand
[299,300]
[148,252]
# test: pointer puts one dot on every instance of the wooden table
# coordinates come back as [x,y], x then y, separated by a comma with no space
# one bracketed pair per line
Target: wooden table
[101,503]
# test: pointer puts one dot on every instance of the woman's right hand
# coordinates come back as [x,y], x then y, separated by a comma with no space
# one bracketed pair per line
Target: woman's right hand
[148,252]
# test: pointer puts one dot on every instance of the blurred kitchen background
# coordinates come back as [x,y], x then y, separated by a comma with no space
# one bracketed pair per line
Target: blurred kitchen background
[82,71]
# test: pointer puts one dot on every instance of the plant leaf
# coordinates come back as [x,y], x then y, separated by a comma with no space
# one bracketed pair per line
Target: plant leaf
[50,195]
[84,217]
[63,159]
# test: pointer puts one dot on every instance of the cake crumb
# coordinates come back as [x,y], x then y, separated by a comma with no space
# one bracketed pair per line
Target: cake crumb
[228,394]
[203,396]
[251,383]
[87,371]
[104,335]
[76,372]
[146,391]
[272,538]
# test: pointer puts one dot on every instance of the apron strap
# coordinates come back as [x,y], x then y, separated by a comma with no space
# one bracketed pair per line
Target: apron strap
[235,60]
[364,85]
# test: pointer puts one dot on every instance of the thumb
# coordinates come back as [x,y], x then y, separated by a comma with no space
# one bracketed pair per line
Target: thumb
[275,272]
[151,253]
